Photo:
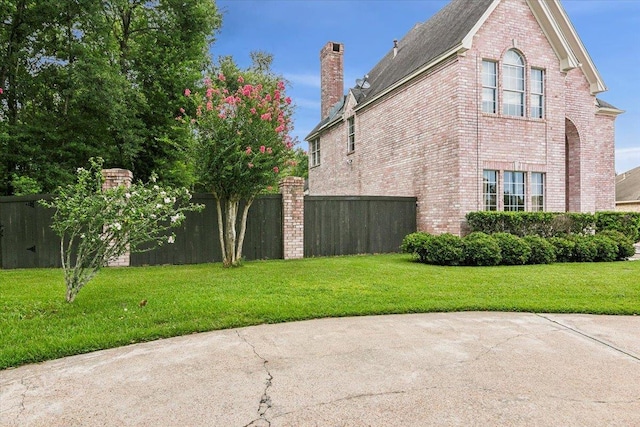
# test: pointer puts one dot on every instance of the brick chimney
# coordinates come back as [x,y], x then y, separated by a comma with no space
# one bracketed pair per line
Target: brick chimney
[331,76]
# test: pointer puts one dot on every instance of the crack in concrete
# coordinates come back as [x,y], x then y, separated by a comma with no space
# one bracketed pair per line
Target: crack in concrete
[23,397]
[265,400]
[586,335]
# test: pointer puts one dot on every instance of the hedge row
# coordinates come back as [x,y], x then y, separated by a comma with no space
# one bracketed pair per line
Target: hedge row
[479,248]
[554,224]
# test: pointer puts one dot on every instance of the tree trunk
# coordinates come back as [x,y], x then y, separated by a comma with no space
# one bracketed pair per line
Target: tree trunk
[231,242]
[243,228]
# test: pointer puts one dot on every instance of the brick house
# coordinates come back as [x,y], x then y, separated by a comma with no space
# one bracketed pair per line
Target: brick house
[489,105]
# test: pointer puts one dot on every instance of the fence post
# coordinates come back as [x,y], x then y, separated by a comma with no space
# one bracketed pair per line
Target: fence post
[114,178]
[292,190]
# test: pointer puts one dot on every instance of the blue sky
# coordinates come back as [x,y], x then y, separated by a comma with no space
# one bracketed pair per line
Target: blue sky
[294,31]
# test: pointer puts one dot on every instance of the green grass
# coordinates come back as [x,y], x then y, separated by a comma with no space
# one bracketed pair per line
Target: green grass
[37,324]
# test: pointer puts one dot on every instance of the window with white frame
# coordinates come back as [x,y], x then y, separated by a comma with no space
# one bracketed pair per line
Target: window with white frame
[537,191]
[489,86]
[537,93]
[314,152]
[351,139]
[490,190]
[513,84]
[514,191]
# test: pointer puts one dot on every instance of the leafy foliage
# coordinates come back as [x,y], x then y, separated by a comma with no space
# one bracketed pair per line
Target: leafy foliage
[514,250]
[241,123]
[416,244]
[98,226]
[84,79]
[542,252]
[481,249]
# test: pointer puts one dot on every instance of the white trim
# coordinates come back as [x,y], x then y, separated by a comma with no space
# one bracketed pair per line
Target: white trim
[467,41]
[608,111]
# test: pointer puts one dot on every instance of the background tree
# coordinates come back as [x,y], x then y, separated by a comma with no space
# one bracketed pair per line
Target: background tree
[83,78]
[240,122]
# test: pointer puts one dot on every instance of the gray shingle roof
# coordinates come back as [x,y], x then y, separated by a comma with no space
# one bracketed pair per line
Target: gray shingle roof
[420,46]
[604,104]
[426,42]
[628,185]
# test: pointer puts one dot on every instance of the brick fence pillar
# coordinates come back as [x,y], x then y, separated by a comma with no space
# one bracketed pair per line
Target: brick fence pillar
[292,190]
[114,178]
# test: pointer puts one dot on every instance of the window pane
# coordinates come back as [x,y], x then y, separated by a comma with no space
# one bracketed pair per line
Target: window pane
[490,190]
[537,191]
[514,191]
[489,74]
[489,86]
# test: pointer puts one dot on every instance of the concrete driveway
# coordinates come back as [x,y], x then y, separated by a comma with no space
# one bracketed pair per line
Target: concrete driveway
[441,369]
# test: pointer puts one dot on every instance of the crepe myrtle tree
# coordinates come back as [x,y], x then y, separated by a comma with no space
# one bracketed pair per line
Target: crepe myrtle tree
[241,126]
[97,226]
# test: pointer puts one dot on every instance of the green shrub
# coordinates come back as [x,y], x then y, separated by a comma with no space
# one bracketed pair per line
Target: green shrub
[416,245]
[543,224]
[627,223]
[585,249]
[625,245]
[444,249]
[542,252]
[513,249]
[481,249]
[607,248]
[564,248]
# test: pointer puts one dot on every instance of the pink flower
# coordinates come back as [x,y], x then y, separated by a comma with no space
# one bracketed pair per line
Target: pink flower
[199,111]
[209,92]
[182,110]
[187,92]
[269,150]
[248,151]
[250,165]
[207,81]
[222,115]
[193,121]
[209,106]
[268,97]
[280,85]
[221,77]
[276,95]
[1,91]
[262,149]
[230,100]
[276,169]
[253,111]
[179,118]
[266,116]
[240,79]
[279,128]
[288,100]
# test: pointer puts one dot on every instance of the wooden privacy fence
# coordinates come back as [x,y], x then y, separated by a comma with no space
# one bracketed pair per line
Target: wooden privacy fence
[344,225]
[275,229]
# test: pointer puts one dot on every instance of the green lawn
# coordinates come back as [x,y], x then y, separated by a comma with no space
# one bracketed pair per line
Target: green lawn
[37,324]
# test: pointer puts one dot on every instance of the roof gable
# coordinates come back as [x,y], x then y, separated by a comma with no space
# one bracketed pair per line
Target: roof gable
[450,32]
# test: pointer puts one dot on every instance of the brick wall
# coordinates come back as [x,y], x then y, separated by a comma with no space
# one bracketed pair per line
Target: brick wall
[114,178]
[292,190]
[331,76]
[431,140]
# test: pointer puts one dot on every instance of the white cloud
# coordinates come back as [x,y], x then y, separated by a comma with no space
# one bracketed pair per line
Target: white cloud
[627,159]
[307,103]
[308,79]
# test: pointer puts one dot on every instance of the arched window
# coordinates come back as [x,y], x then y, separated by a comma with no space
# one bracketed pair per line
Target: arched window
[513,84]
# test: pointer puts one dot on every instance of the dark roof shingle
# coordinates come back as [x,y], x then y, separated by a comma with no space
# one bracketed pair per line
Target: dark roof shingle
[628,185]
[426,42]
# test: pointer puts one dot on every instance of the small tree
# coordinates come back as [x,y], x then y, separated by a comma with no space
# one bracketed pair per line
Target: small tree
[97,226]
[241,125]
